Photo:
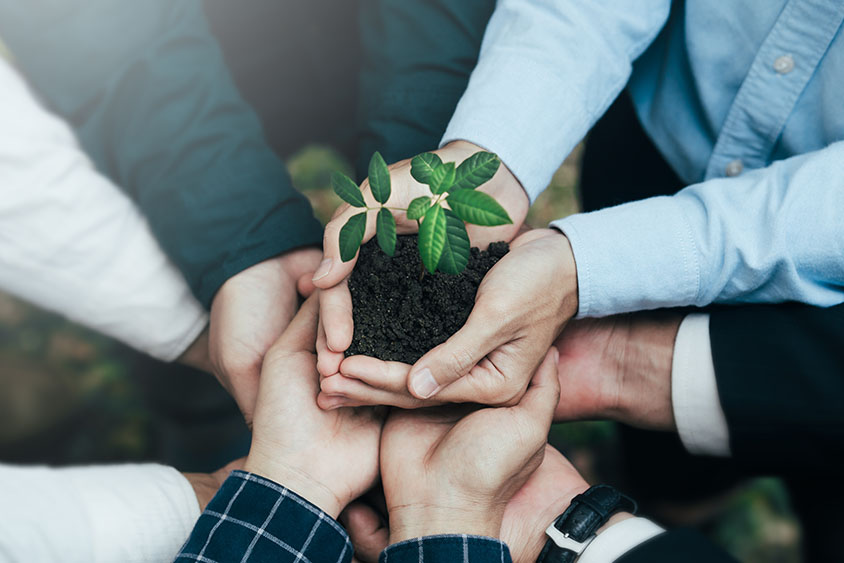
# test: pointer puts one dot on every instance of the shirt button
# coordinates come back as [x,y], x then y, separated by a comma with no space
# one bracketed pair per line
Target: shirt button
[734,168]
[784,64]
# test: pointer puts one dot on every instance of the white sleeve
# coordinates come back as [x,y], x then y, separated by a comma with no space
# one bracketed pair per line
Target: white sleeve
[701,422]
[618,539]
[548,69]
[72,242]
[126,513]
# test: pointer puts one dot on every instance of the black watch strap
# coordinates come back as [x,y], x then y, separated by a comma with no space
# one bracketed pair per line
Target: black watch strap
[575,528]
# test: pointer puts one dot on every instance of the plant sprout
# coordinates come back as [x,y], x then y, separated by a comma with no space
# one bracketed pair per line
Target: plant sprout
[443,240]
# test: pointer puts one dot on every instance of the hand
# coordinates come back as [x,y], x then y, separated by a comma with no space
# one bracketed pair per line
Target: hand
[337,327]
[248,314]
[521,306]
[453,469]
[619,368]
[329,458]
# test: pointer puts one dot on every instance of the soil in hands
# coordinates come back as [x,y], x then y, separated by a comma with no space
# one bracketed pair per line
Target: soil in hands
[397,315]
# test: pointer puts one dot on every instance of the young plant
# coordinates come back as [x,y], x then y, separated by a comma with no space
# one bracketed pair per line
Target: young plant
[443,240]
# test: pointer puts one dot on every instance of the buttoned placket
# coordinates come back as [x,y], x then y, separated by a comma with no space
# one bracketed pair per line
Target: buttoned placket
[780,72]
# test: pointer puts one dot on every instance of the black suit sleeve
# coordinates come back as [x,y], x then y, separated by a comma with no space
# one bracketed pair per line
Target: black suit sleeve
[683,545]
[780,373]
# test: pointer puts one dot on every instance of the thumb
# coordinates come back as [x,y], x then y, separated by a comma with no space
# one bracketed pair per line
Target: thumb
[332,270]
[543,393]
[366,530]
[300,334]
[454,358]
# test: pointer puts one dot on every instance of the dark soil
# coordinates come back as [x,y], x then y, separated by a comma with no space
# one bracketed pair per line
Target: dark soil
[399,317]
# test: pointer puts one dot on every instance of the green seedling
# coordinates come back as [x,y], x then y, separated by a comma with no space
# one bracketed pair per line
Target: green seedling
[443,240]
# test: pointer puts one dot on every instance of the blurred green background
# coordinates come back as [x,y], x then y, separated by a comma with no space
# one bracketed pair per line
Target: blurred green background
[71,396]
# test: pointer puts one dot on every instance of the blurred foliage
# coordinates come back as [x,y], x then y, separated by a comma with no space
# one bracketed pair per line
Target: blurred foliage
[63,386]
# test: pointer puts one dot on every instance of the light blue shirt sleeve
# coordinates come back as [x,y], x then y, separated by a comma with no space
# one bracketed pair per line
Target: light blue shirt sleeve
[771,235]
[548,69]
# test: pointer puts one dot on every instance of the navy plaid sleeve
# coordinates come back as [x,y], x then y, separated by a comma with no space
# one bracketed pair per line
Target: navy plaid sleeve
[448,549]
[252,520]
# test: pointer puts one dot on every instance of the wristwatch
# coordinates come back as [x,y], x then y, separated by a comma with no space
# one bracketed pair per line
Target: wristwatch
[573,530]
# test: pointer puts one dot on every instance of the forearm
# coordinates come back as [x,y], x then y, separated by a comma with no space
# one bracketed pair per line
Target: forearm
[547,71]
[159,112]
[108,513]
[74,244]
[753,238]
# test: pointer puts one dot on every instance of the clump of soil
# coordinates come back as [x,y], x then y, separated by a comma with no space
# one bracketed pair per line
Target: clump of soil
[399,317]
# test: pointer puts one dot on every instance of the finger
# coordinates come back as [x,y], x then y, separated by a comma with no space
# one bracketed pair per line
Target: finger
[543,394]
[335,309]
[332,270]
[305,285]
[301,332]
[455,357]
[341,391]
[328,361]
[388,376]
[367,531]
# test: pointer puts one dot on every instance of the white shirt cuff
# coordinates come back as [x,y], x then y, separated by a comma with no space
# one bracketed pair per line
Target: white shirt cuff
[618,539]
[700,419]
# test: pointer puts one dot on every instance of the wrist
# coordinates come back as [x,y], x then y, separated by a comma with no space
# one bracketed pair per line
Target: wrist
[298,480]
[416,521]
[644,397]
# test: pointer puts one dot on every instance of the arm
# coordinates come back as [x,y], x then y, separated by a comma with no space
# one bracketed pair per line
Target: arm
[770,235]
[74,244]
[158,112]
[547,71]
[778,372]
[126,513]
[417,58]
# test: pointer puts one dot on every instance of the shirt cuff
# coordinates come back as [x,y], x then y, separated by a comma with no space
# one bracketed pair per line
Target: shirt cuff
[257,519]
[701,422]
[447,548]
[636,256]
[618,539]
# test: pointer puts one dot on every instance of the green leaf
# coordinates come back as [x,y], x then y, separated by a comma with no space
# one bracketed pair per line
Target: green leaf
[351,236]
[442,178]
[432,237]
[423,165]
[478,208]
[385,226]
[346,188]
[418,207]
[455,255]
[476,170]
[379,178]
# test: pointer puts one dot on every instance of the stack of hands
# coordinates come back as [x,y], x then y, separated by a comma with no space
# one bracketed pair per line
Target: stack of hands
[455,469]
[449,468]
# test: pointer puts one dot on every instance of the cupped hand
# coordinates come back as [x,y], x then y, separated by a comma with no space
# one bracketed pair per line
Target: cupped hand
[336,326]
[328,457]
[521,306]
[453,469]
[248,314]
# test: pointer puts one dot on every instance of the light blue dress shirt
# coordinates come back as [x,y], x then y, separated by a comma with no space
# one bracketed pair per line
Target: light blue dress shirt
[744,98]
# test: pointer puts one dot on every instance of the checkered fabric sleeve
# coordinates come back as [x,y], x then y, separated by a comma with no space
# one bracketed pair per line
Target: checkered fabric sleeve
[455,548]
[252,520]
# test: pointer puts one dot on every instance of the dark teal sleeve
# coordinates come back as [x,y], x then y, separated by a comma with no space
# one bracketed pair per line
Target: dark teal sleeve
[417,58]
[146,89]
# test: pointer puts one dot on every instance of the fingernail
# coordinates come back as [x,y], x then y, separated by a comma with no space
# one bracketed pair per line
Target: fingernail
[322,271]
[424,383]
